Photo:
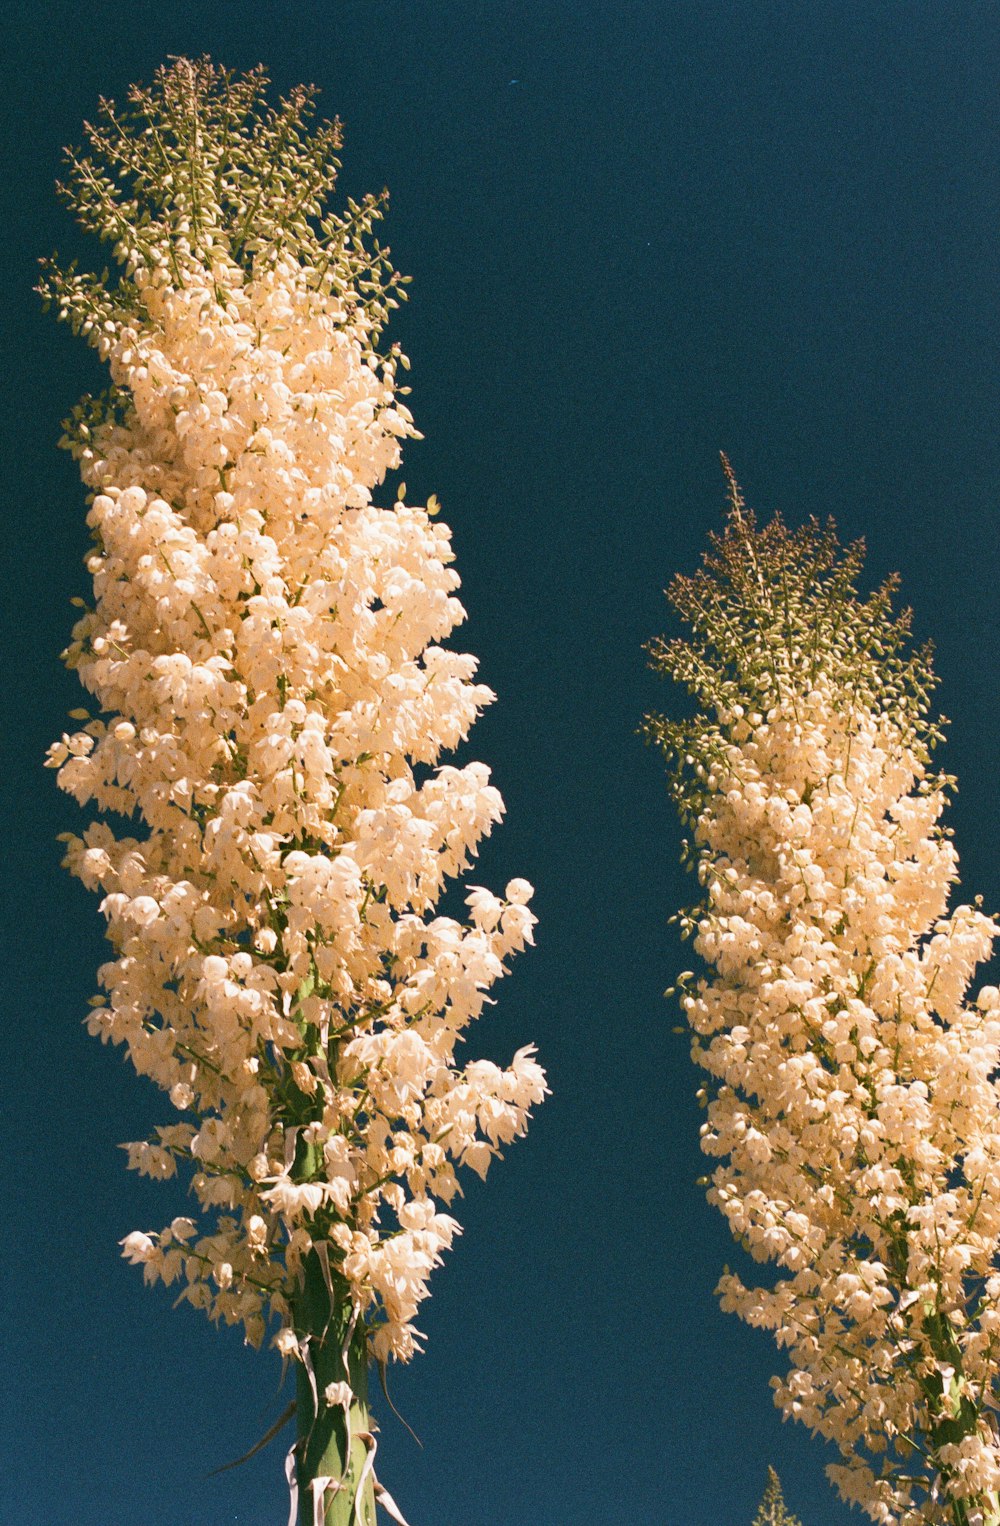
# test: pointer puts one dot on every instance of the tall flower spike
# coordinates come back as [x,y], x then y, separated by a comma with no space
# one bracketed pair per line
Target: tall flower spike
[772,1510]
[272,708]
[853,1103]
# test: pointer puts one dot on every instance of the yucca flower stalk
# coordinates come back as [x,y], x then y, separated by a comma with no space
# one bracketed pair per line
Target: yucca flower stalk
[271,707]
[772,1510]
[853,1101]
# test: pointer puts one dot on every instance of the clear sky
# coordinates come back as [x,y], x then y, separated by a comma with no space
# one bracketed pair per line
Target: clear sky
[639,232]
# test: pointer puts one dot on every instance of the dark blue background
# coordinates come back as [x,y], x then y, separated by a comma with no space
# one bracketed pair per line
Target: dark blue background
[639,233]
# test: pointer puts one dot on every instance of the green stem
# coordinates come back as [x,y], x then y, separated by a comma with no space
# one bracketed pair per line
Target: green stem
[325,1448]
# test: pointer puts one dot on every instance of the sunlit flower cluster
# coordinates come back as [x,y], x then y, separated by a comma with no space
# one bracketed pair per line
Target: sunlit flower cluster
[272,705]
[853,1104]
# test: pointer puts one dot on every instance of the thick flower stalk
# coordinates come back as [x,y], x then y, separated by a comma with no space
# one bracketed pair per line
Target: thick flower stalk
[272,704]
[853,1102]
[772,1510]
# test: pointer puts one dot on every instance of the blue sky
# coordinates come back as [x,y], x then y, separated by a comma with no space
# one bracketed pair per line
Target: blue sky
[638,234]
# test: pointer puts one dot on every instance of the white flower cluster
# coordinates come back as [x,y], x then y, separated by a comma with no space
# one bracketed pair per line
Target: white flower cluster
[855,1105]
[272,704]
